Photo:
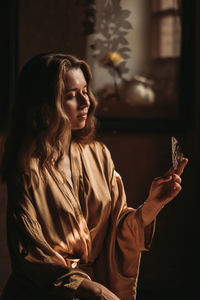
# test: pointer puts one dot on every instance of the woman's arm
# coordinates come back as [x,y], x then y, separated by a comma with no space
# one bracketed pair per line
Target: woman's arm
[32,256]
[92,290]
[163,190]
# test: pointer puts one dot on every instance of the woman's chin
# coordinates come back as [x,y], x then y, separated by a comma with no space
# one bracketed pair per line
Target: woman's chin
[78,127]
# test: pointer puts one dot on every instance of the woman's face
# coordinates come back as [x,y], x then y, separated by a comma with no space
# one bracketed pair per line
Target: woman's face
[76,101]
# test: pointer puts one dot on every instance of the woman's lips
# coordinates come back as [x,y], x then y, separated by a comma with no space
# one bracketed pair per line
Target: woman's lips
[82,116]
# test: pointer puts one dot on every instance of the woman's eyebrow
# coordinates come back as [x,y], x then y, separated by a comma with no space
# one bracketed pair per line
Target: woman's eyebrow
[74,89]
[70,90]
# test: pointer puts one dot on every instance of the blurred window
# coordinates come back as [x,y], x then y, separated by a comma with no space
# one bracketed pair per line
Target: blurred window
[166,29]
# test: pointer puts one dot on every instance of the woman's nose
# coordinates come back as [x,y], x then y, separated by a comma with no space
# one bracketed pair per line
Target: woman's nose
[84,100]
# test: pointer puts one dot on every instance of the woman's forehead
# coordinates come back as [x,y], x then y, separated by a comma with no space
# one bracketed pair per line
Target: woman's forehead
[74,78]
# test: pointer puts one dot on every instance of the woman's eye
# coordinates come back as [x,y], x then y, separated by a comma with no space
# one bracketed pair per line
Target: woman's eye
[69,96]
[85,92]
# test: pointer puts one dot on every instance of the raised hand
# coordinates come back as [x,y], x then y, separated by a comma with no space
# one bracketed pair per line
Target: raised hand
[163,190]
[166,188]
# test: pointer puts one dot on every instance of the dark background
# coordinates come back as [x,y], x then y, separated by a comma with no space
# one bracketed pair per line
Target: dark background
[140,150]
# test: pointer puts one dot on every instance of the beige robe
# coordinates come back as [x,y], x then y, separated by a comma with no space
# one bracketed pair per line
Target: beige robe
[50,223]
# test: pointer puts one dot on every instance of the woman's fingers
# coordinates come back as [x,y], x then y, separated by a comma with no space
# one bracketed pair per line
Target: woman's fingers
[171,171]
[167,187]
[181,166]
[176,186]
[177,178]
[162,179]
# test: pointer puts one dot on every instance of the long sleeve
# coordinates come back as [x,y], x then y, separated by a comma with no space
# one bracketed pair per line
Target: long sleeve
[128,237]
[33,257]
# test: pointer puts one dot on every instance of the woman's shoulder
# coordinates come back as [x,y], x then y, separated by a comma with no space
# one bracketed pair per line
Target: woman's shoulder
[98,145]
[24,177]
[97,154]
[98,149]
[31,174]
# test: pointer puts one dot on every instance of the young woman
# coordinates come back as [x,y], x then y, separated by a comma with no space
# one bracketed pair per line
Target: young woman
[70,232]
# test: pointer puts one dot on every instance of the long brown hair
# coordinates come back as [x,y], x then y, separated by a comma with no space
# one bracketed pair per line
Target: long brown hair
[39,123]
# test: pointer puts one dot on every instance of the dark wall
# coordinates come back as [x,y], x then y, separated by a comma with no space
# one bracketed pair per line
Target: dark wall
[139,156]
[8,64]
[49,25]
[8,33]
